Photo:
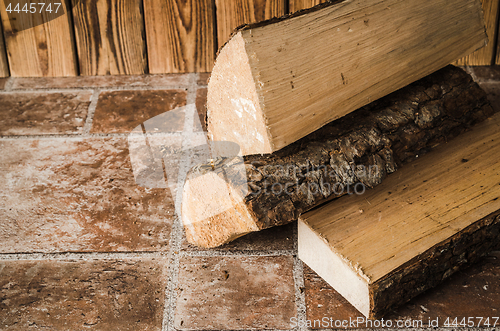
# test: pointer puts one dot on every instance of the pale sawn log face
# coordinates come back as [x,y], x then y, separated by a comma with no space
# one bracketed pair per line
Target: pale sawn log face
[420,225]
[320,64]
[380,136]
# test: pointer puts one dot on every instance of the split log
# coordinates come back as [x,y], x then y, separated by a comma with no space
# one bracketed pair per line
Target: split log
[222,202]
[434,217]
[275,82]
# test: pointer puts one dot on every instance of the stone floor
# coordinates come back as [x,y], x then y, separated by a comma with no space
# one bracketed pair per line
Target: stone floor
[83,247]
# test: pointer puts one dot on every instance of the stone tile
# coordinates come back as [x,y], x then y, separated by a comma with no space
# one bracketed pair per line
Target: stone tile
[201,107]
[25,113]
[322,301]
[474,292]
[123,111]
[276,238]
[3,81]
[493,91]
[102,81]
[203,78]
[487,73]
[78,195]
[238,292]
[82,295]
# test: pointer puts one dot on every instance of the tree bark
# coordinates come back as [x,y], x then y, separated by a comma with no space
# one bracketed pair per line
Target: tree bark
[436,264]
[347,156]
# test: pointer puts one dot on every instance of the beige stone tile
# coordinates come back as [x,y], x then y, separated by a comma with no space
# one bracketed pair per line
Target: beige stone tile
[82,295]
[61,195]
[28,113]
[474,292]
[102,81]
[200,123]
[493,91]
[275,238]
[3,81]
[234,293]
[487,73]
[203,78]
[124,111]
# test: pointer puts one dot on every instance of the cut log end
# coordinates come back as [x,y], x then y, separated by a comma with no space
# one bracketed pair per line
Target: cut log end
[234,112]
[276,82]
[213,210]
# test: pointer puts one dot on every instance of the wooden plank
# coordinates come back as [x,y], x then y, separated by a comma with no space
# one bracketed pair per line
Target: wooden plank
[41,44]
[109,37]
[274,83]
[416,228]
[296,5]
[233,13]
[180,35]
[485,55]
[498,38]
[377,138]
[4,65]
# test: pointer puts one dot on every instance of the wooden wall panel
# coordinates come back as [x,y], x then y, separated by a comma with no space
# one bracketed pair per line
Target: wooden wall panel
[296,5]
[39,45]
[498,37]
[484,56]
[180,35]
[110,37]
[232,13]
[4,65]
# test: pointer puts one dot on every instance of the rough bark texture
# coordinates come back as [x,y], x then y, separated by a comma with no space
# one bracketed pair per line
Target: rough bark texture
[350,154]
[436,264]
[364,146]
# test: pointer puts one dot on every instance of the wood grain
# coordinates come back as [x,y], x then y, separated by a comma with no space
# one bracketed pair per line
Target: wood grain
[4,65]
[233,13]
[110,37]
[498,38]
[40,48]
[180,35]
[296,5]
[276,82]
[382,136]
[485,55]
[421,206]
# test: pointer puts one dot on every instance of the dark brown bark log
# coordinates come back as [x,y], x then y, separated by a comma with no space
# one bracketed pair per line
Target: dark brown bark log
[348,155]
[435,265]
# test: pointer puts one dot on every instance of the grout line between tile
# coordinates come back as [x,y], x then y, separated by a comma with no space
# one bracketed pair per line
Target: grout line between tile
[54,90]
[470,71]
[91,111]
[80,255]
[298,276]
[136,254]
[209,253]
[177,229]
[99,88]
[8,84]
[95,135]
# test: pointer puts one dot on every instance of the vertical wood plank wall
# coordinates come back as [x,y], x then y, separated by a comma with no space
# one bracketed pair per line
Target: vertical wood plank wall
[109,37]
[233,13]
[485,55]
[498,36]
[296,5]
[180,35]
[39,49]
[4,65]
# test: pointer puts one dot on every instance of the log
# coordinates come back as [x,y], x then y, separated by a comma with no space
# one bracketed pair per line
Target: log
[234,196]
[434,217]
[275,82]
